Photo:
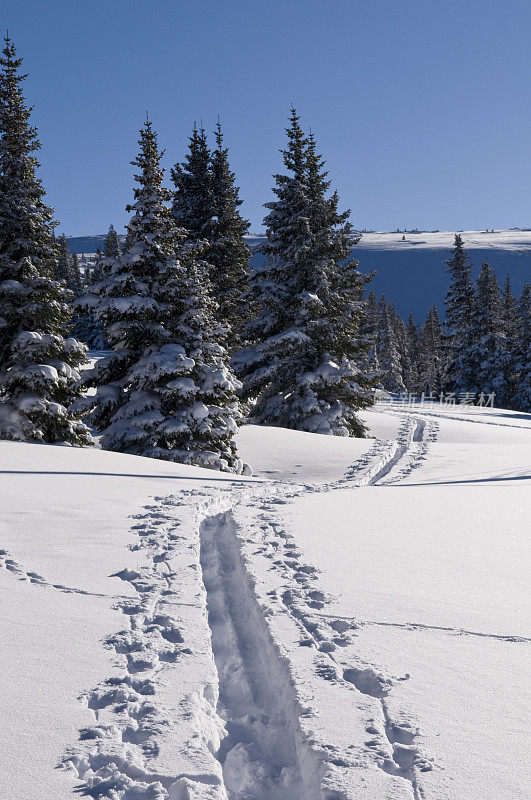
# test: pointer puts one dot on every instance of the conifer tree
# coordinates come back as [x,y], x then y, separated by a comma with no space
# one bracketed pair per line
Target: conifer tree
[369,327]
[38,367]
[192,200]
[412,345]
[165,391]
[459,313]
[510,331]
[112,244]
[407,367]
[228,253]
[305,368]
[62,271]
[76,271]
[522,398]
[205,204]
[66,270]
[431,354]
[488,350]
[388,350]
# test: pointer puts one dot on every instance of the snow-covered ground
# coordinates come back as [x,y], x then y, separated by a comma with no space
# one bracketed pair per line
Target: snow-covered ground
[349,623]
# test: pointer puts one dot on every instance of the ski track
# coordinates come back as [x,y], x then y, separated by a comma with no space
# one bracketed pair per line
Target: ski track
[204,688]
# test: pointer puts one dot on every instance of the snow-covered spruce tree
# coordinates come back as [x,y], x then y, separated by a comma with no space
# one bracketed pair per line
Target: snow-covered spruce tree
[431,355]
[304,370]
[66,270]
[522,399]
[510,331]
[112,244]
[407,366]
[412,340]
[38,367]
[192,199]
[388,351]
[86,327]
[205,204]
[369,327]
[228,253]
[196,391]
[165,391]
[76,272]
[488,347]
[459,311]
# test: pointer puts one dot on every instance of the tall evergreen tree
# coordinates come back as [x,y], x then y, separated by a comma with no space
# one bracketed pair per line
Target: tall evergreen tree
[76,272]
[522,398]
[228,253]
[369,327]
[112,244]
[66,270]
[166,390]
[192,200]
[459,313]
[388,350]
[412,344]
[488,345]
[206,204]
[37,365]
[431,355]
[305,368]
[510,331]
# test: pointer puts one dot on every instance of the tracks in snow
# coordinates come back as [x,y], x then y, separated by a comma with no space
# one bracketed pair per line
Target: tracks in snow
[162,732]
[264,756]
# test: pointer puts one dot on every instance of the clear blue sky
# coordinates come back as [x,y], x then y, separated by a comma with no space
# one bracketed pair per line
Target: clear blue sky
[421,107]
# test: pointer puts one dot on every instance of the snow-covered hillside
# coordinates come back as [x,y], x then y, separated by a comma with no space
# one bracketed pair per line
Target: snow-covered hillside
[412,273]
[349,623]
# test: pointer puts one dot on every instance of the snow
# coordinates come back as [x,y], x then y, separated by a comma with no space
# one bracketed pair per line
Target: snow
[349,623]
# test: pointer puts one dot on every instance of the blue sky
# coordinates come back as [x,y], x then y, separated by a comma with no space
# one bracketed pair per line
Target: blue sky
[421,107]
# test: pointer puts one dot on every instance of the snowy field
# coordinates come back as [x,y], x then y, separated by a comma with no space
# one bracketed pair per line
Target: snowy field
[348,624]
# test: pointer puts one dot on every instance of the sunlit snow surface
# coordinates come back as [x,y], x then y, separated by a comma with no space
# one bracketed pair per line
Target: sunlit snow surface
[350,623]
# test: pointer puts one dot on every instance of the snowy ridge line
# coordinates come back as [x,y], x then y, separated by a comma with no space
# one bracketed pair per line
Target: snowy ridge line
[18,571]
[155,727]
[327,651]
[412,626]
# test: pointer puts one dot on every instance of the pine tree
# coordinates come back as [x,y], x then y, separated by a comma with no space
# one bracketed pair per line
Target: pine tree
[407,368]
[431,355]
[38,367]
[522,398]
[86,327]
[112,244]
[76,272]
[369,327]
[510,331]
[388,350]
[228,253]
[459,313]
[165,391]
[192,200]
[487,349]
[304,370]
[412,346]
[206,203]
[65,270]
